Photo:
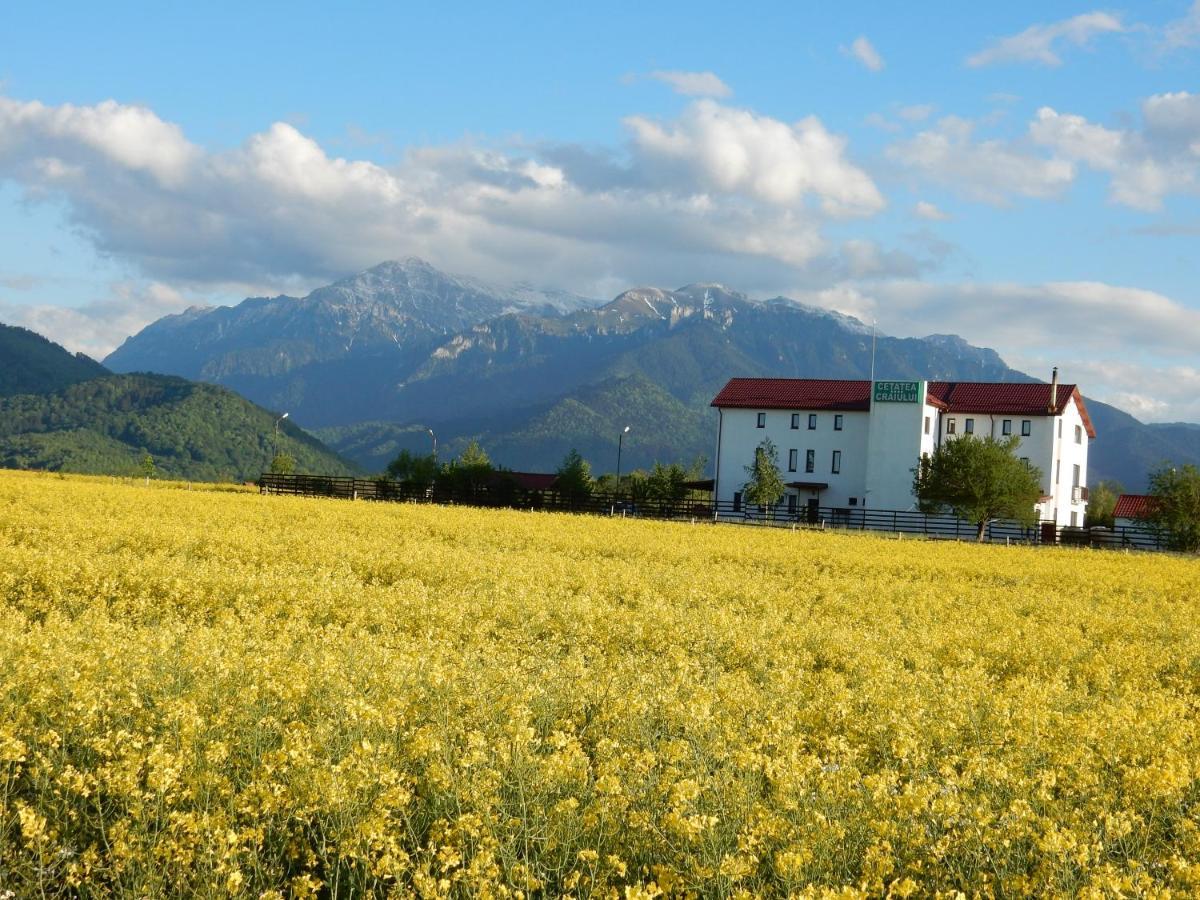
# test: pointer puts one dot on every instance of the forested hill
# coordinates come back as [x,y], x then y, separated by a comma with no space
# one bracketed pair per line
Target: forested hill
[30,364]
[193,431]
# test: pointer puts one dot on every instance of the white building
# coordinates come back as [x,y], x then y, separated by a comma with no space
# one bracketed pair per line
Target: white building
[854,444]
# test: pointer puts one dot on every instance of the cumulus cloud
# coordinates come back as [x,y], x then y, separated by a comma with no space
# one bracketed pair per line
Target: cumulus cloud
[734,151]
[714,188]
[863,50]
[97,327]
[1038,43]
[693,84]
[1144,166]
[926,210]
[989,170]
[1182,32]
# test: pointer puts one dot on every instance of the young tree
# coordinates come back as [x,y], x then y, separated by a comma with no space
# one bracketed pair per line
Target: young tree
[283,464]
[978,479]
[1173,511]
[574,477]
[470,471]
[146,466]
[1102,501]
[765,486]
[418,471]
[665,484]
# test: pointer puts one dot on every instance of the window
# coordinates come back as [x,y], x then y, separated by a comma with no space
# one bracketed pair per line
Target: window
[1074,519]
[837,462]
[762,420]
[949,426]
[854,501]
[795,420]
[1057,469]
[812,421]
[737,501]
[1026,428]
[792,455]
[837,422]
[968,426]
[1025,459]
[1060,428]
[1079,434]
[1006,427]
[810,460]
[927,424]
[1075,477]
[792,498]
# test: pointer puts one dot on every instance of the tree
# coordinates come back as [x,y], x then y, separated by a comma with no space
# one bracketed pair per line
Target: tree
[765,487]
[667,484]
[979,480]
[1173,510]
[1102,502]
[283,464]
[574,477]
[411,469]
[469,472]
[146,466]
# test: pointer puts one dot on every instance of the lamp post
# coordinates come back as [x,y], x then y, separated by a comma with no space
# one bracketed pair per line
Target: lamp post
[620,443]
[434,436]
[277,421]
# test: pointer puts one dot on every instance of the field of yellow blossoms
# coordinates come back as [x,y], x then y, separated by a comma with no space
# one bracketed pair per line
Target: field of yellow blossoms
[216,694]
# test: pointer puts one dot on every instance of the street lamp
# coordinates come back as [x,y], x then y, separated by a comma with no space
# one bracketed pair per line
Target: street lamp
[620,443]
[277,421]
[434,436]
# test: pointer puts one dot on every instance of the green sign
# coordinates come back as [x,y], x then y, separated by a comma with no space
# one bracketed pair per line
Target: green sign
[897,392]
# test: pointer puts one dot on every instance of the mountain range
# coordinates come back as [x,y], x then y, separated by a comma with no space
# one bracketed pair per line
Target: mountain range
[67,412]
[371,363]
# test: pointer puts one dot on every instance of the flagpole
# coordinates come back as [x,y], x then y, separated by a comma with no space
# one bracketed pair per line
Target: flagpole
[872,351]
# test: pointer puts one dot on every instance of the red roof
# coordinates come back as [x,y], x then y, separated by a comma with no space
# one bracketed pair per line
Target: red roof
[528,481]
[794,393]
[1015,398]
[1131,506]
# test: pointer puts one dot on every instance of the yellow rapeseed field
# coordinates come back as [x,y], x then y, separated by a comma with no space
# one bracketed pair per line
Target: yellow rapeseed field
[220,694]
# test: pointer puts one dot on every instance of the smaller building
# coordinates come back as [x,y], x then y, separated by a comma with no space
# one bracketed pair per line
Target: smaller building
[1130,511]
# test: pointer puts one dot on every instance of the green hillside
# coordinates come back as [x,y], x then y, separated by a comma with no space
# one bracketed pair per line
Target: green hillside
[193,431]
[30,364]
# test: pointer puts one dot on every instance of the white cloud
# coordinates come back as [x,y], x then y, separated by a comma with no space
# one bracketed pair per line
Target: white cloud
[99,326]
[917,112]
[989,171]
[1182,32]
[693,84]
[865,53]
[1089,317]
[926,210]
[1037,43]
[1144,167]
[716,189]
[734,151]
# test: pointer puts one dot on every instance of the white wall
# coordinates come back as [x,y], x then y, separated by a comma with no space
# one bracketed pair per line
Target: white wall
[740,437]
[1044,449]
[894,450]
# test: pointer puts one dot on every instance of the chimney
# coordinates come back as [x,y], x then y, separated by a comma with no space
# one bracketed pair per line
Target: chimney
[1054,390]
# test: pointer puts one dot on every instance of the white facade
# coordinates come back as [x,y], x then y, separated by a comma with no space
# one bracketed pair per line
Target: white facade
[867,462]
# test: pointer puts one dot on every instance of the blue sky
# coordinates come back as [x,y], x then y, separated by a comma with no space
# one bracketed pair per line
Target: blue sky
[1023,174]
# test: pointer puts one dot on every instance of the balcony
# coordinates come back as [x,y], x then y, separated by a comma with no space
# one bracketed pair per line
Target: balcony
[1079,494]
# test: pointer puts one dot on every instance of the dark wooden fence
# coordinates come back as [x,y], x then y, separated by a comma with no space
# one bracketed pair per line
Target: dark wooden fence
[513,496]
